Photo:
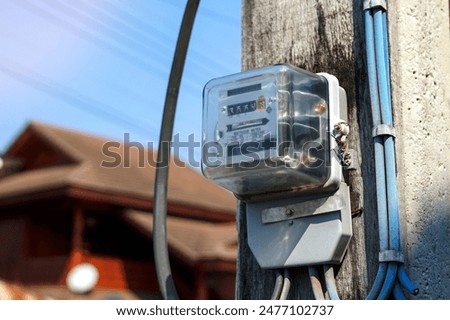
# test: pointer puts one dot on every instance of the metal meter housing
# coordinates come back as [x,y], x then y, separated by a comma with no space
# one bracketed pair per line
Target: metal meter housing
[268,131]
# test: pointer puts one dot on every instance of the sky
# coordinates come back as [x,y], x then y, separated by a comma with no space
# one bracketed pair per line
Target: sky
[102,66]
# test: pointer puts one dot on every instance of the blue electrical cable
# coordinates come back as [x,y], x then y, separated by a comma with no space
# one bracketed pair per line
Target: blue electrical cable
[381,51]
[386,53]
[389,281]
[386,118]
[382,216]
[398,293]
[379,84]
[379,155]
[391,276]
[406,282]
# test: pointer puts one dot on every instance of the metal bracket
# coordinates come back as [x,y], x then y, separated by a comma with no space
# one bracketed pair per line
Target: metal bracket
[391,256]
[383,130]
[332,203]
[370,4]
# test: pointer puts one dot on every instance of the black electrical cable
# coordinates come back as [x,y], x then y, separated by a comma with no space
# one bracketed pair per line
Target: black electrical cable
[160,247]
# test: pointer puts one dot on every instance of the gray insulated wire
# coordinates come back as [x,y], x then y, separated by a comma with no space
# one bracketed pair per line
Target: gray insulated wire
[315,283]
[160,247]
[286,285]
[279,280]
[330,282]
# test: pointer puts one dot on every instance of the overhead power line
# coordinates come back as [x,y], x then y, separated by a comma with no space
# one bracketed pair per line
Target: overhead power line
[115,49]
[75,99]
[74,11]
[195,57]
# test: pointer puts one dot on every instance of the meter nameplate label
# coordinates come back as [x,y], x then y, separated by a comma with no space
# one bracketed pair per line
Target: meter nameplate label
[332,203]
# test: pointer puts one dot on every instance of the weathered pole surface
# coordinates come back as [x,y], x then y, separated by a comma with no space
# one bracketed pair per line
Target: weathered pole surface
[328,36]
[319,36]
[420,60]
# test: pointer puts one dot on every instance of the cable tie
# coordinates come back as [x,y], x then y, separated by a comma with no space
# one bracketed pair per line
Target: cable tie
[383,130]
[391,256]
[371,4]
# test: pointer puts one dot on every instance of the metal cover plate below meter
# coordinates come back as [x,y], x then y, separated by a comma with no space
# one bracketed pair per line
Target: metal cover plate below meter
[298,232]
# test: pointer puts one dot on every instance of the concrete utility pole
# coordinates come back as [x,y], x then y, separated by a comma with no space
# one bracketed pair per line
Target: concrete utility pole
[328,36]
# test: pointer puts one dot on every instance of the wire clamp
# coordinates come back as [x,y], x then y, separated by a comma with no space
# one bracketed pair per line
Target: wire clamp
[391,256]
[340,133]
[371,4]
[383,130]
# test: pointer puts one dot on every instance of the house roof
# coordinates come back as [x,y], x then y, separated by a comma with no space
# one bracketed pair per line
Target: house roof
[86,162]
[193,240]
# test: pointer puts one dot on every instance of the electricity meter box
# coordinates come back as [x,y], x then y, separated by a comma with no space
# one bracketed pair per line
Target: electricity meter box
[271,136]
[269,131]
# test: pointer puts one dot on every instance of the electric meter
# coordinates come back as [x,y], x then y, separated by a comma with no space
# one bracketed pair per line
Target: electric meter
[276,137]
[269,130]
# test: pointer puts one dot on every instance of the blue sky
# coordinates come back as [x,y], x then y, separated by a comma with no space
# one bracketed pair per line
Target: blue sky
[102,66]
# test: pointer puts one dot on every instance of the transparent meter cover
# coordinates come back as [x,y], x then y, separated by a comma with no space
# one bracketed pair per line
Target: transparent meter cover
[267,130]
